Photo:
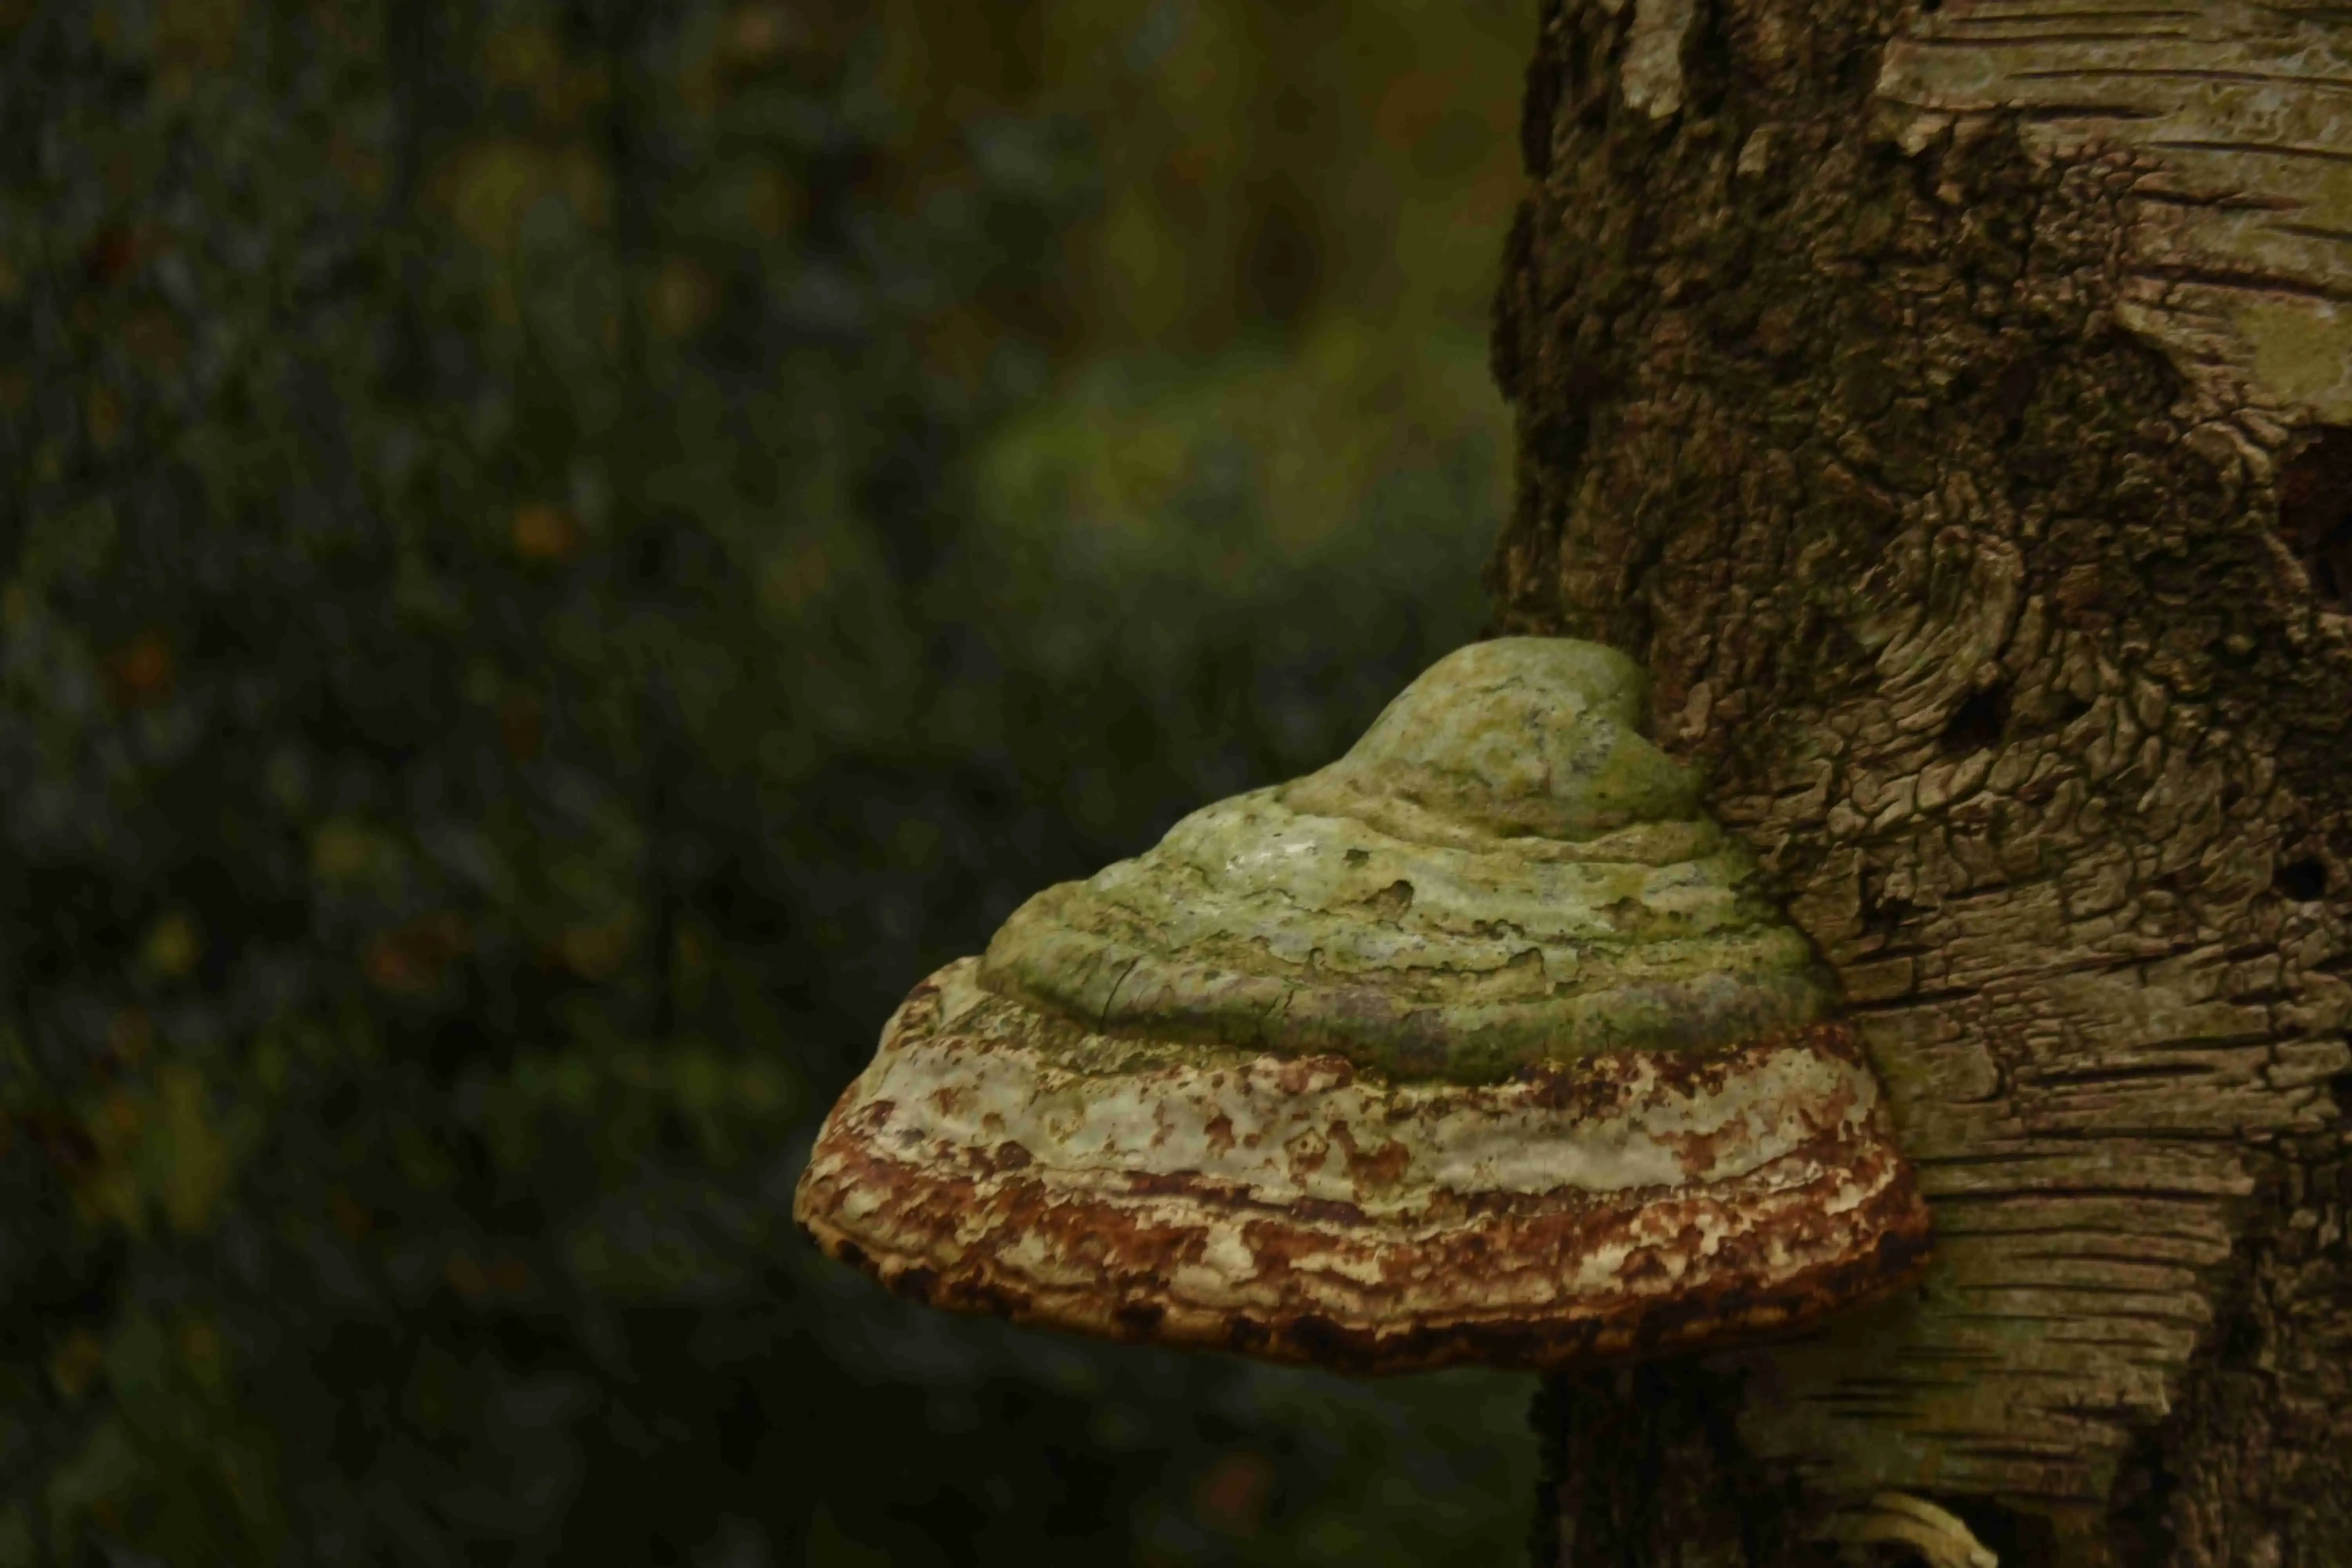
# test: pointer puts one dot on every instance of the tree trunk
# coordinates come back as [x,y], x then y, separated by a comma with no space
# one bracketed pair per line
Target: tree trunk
[1953,405]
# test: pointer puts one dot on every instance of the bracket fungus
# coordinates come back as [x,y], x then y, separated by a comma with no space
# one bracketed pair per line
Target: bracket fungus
[1480,1045]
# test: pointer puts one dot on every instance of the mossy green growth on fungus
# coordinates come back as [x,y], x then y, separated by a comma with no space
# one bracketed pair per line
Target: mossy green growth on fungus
[1502,870]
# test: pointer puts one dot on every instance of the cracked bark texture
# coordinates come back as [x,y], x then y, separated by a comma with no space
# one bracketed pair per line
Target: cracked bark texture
[1952,406]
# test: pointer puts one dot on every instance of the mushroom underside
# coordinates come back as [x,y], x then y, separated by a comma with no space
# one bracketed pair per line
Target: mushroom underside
[1000,1158]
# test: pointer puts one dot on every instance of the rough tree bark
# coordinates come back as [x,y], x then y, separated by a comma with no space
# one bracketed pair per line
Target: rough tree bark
[1953,405]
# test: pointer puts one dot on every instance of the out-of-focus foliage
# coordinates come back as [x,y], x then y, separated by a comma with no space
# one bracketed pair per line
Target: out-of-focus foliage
[1268,164]
[549,572]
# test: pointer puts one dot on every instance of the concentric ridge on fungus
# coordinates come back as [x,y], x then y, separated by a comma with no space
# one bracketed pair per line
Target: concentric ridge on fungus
[1502,870]
[1479,1044]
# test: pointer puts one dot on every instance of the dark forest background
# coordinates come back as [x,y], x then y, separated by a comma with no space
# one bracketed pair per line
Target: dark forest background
[558,556]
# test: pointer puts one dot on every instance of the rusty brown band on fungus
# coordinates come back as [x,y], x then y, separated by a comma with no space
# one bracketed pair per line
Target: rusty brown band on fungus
[1478,1046]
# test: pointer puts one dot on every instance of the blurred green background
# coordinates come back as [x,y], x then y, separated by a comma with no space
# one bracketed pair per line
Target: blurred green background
[560,554]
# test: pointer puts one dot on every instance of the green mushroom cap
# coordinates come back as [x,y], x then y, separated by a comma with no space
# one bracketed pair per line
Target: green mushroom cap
[1503,871]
